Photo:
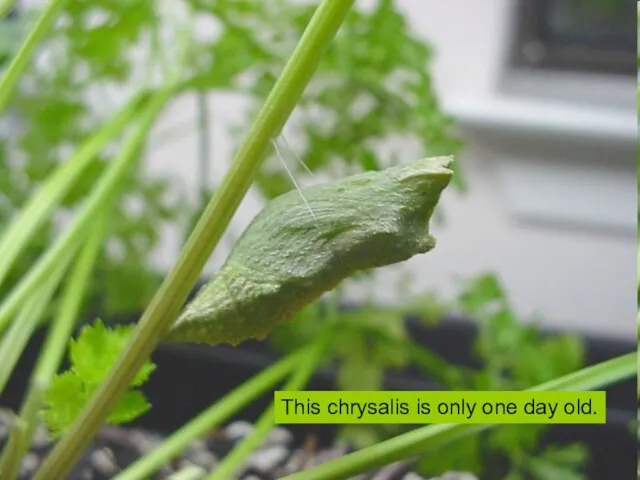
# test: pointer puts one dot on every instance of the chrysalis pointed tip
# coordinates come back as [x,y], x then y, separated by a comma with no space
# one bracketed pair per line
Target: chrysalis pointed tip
[435,165]
[431,168]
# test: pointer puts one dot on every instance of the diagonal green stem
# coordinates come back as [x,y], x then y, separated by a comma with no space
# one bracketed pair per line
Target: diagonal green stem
[19,62]
[73,235]
[16,236]
[167,302]
[422,439]
[214,415]
[55,344]
[17,431]
[234,460]
[13,343]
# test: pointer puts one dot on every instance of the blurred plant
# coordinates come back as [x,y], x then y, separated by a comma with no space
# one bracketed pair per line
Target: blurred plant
[53,111]
[372,91]
[514,356]
[372,88]
[13,30]
[85,235]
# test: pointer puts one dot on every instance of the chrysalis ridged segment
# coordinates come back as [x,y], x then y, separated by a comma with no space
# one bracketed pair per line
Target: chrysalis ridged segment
[286,258]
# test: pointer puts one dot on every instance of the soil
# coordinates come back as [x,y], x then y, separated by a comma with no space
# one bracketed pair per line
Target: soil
[116,447]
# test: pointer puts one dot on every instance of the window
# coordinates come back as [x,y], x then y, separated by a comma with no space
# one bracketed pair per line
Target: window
[596,36]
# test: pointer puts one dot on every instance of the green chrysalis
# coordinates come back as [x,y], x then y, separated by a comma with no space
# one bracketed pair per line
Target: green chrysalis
[287,257]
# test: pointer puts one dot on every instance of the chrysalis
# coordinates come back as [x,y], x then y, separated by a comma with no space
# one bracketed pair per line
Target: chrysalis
[286,258]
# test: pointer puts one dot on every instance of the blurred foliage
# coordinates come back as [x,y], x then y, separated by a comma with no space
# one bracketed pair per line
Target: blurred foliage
[371,104]
[514,355]
[52,112]
[373,86]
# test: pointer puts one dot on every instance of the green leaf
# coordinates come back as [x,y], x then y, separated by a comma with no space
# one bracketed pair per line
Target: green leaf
[92,356]
[359,374]
[131,405]
[97,349]
[511,440]
[545,359]
[480,293]
[360,436]
[65,397]
[559,463]
[574,454]
[462,455]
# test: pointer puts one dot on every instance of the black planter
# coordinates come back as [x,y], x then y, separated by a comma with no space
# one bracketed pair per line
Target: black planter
[189,378]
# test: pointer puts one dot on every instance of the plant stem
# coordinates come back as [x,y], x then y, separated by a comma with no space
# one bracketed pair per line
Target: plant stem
[234,460]
[74,234]
[171,295]
[19,62]
[51,356]
[214,415]
[13,343]
[17,430]
[17,235]
[421,439]
[19,439]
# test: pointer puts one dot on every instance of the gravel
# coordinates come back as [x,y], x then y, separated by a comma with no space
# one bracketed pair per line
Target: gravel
[115,448]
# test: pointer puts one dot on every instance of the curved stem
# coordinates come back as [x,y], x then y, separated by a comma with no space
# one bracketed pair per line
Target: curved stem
[167,302]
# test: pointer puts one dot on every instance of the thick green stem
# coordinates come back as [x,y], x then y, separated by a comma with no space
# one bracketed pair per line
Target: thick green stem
[74,234]
[167,302]
[234,460]
[422,439]
[55,344]
[16,236]
[216,414]
[19,62]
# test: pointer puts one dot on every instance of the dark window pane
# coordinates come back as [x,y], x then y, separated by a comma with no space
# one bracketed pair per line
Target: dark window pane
[587,35]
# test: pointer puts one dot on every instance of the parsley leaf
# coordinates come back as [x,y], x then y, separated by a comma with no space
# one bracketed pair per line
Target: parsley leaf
[92,355]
